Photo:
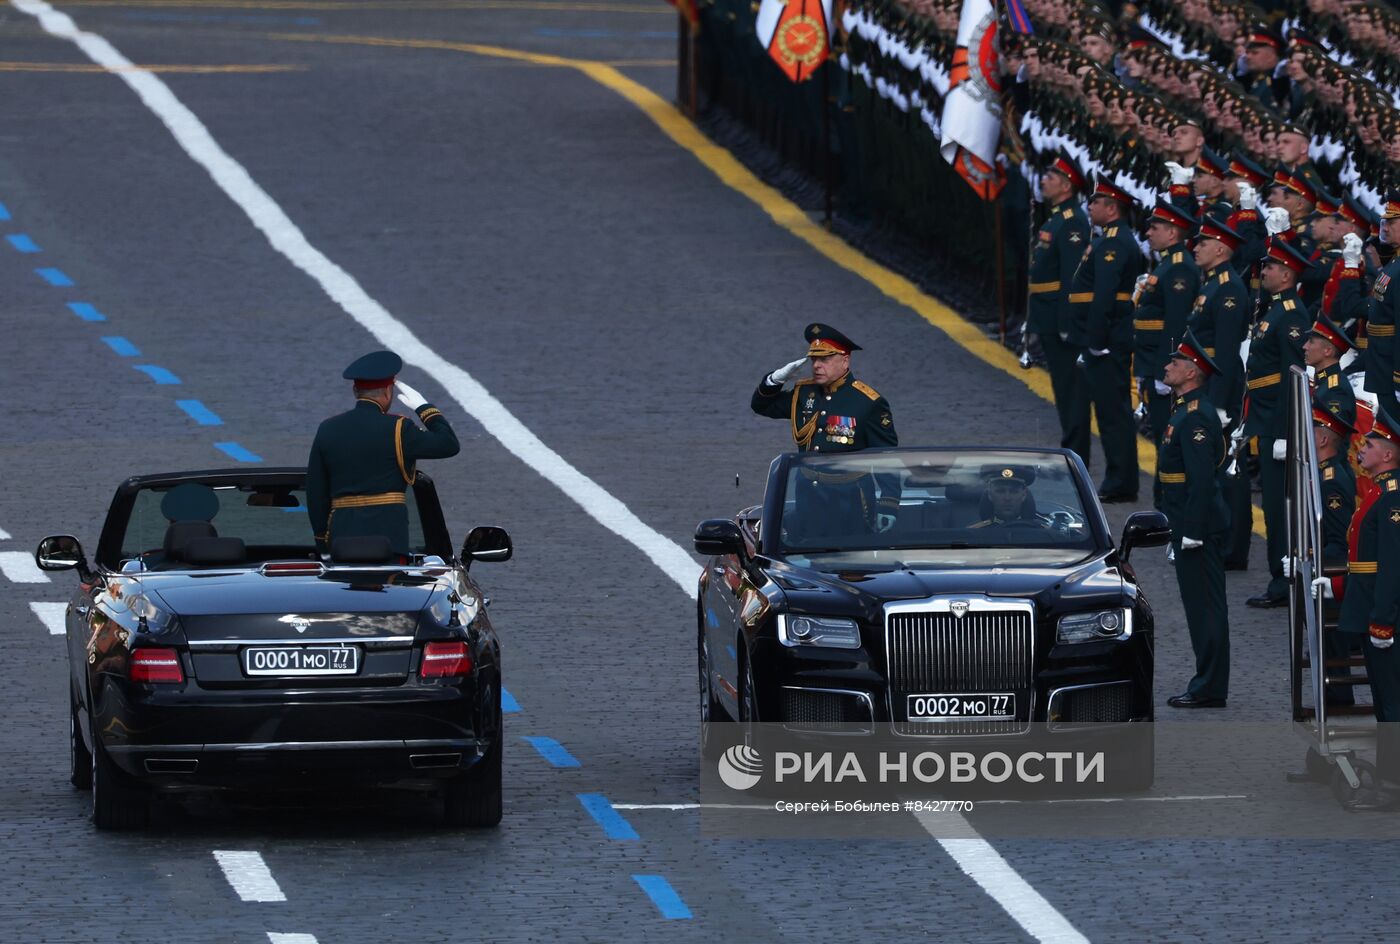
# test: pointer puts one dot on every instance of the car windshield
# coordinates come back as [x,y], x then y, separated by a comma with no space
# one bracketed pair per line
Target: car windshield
[270,520]
[979,507]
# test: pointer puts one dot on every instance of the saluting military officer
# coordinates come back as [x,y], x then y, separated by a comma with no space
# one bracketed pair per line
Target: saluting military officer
[1163,304]
[1059,246]
[1220,321]
[1101,326]
[1276,346]
[363,460]
[1371,606]
[1382,316]
[1193,450]
[833,411]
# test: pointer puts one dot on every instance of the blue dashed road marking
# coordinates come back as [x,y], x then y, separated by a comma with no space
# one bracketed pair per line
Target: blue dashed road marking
[614,826]
[86,311]
[54,277]
[508,702]
[242,455]
[22,243]
[554,752]
[122,346]
[159,374]
[663,896]
[200,413]
[4,213]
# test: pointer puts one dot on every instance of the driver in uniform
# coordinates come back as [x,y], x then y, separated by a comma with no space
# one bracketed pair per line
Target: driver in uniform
[1008,498]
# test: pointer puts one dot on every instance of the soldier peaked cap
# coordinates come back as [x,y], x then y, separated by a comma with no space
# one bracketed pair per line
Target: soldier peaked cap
[1021,474]
[377,369]
[824,340]
[1068,168]
[1192,350]
[1392,206]
[1353,212]
[1263,35]
[1212,163]
[1242,167]
[1103,187]
[1166,212]
[1321,416]
[1385,427]
[1328,330]
[1211,228]
[1282,252]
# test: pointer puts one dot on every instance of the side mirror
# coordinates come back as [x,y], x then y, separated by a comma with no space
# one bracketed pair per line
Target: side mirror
[60,552]
[487,544]
[1144,529]
[719,536]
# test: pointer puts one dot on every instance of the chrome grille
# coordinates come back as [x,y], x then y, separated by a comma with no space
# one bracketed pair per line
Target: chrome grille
[985,650]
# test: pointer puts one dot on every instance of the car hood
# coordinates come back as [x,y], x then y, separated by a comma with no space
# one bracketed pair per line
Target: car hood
[861,593]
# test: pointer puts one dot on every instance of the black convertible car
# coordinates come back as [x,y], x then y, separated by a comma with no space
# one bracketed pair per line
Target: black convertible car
[954,592]
[210,645]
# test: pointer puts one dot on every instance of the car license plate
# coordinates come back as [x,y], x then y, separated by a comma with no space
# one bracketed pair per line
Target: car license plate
[994,705]
[301,660]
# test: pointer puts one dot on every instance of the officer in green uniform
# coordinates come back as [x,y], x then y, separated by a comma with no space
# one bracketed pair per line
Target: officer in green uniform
[1337,486]
[1008,502]
[1276,345]
[1164,301]
[362,461]
[1209,184]
[1219,320]
[1101,327]
[1193,450]
[1059,246]
[1322,351]
[1371,605]
[1381,318]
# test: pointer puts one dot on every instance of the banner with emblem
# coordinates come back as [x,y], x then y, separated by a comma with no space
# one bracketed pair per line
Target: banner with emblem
[796,34]
[972,111]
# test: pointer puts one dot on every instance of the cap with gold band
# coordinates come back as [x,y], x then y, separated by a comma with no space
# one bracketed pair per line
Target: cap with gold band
[1243,168]
[1327,205]
[1211,228]
[1302,187]
[1329,331]
[1385,427]
[1262,35]
[1353,212]
[1192,350]
[1019,474]
[1322,416]
[824,341]
[1283,253]
[1103,187]
[1212,164]
[1391,211]
[1068,167]
[1165,212]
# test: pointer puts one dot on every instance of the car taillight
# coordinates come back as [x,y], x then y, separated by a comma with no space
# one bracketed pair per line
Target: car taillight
[442,659]
[156,666]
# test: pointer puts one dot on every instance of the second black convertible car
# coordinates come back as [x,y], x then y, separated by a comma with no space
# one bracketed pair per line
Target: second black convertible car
[211,646]
[959,592]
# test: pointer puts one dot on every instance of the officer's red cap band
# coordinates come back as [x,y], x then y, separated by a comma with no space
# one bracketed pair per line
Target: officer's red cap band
[1169,214]
[1105,189]
[1071,172]
[824,347]
[1194,356]
[1331,337]
[1260,38]
[1299,185]
[1238,169]
[1380,430]
[374,384]
[1211,231]
[1323,417]
[1278,254]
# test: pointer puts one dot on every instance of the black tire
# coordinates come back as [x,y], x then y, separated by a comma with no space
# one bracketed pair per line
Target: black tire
[79,757]
[473,799]
[711,710]
[118,802]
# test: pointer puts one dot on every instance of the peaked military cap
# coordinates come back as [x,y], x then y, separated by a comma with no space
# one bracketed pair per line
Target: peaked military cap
[1212,163]
[1280,179]
[1328,330]
[1385,427]
[1166,212]
[1283,252]
[377,369]
[1327,205]
[1261,34]
[1353,212]
[1392,206]
[1020,474]
[1068,167]
[1211,228]
[1192,350]
[824,341]
[1302,187]
[1299,37]
[1322,416]
[1103,187]
[1243,167]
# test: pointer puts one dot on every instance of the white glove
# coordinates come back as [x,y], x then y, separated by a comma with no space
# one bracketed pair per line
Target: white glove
[1280,449]
[1323,586]
[1162,389]
[1288,568]
[1191,544]
[1180,175]
[1351,251]
[1249,200]
[1138,286]
[1224,417]
[1098,353]
[1275,220]
[1382,643]
[883,523]
[408,396]
[785,373]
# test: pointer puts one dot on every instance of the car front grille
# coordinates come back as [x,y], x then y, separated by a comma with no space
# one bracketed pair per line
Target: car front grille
[984,650]
[1096,703]
[812,708]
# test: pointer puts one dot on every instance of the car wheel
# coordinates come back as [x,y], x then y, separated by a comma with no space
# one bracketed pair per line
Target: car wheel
[474,798]
[118,802]
[79,757]
[711,711]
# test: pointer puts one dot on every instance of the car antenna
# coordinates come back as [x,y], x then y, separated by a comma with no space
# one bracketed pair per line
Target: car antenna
[736,479]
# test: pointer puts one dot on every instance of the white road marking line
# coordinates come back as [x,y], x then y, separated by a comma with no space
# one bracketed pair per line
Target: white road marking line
[249,875]
[19,567]
[985,866]
[277,937]
[234,180]
[978,859]
[51,615]
[4,535]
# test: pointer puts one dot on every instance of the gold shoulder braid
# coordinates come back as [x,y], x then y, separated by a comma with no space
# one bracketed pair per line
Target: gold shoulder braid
[398,451]
[803,436]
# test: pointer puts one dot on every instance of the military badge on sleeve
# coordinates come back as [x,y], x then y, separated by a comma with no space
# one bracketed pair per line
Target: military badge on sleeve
[1198,436]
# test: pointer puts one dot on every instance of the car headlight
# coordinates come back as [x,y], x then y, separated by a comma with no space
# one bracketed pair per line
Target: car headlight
[1095,627]
[830,631]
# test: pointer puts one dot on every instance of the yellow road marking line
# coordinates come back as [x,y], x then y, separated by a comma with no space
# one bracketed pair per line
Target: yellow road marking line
[188,69]
[780,209]
[336,5]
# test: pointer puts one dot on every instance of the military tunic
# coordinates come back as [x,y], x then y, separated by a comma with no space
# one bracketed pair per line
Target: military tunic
[1373,599]
[848,416]
[1159,321]
[1380,334]
[362,461]
[1100,299]
[1193,450]
[1337,484]
[1059,246]
[1334,390]
[1251,229]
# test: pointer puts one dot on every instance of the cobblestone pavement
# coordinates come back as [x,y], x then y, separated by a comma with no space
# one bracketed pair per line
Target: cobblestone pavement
[539,231]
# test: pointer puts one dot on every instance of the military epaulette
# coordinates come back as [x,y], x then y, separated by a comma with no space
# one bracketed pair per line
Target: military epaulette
[1068,214]
[1333,381]
[1224,277]
[1111,231]
[1328,474]
[1194,404]
[866,389]
[1177,257]
[1392,485]
[1289,304]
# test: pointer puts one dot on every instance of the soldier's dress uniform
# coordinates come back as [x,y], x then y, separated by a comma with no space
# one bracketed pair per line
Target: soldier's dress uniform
[1371,605]
[1337,486]
[1100,300]
[1059,246]
[1219,320]
[1276,346]
[1330,384]
[1188,466]
[1159,320]
[1381,320]
[363,460]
